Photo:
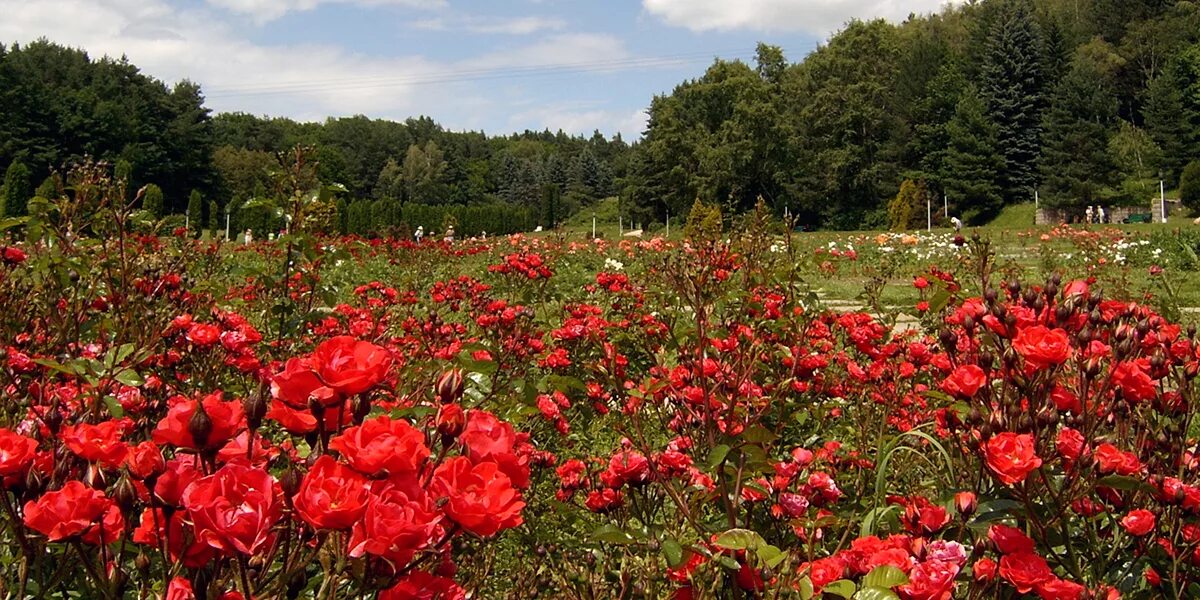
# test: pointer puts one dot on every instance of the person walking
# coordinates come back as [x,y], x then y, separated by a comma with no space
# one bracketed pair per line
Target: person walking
[1089,214]
[449,235]
[419,234]
[1101,217]
[957,222]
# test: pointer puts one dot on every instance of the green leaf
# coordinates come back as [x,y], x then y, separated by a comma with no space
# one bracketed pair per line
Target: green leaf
[717,456]
[130,378]
[728,562]
[885,576]
[771,556]
[842,587]
[876,593]
[806,589]
[672,551]
[1124,483]
[114,407]
[740,539]
[994,510]
[612,535]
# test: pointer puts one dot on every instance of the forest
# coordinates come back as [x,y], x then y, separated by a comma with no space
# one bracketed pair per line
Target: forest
[984,104]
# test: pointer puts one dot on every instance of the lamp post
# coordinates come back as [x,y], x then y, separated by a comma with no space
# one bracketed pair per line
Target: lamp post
[593,224]
[228,211]
[1162,196]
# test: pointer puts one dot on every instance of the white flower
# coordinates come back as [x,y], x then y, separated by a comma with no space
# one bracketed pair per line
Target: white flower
[613,265]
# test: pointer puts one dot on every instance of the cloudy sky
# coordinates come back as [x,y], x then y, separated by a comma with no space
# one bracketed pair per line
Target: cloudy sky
[495,65]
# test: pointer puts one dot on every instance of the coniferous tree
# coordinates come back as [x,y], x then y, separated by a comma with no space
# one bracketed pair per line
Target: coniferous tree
[195,212]
[1168,121]
[1076,165]
[48,189]
[18,189]
[972,163]
[1013,89]
[214,218]
[152,200]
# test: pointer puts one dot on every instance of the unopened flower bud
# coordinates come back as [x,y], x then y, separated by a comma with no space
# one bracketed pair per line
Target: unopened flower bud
[255,407]
[200,426]
[450,386]
[125,494]
[450,421]
[966,503]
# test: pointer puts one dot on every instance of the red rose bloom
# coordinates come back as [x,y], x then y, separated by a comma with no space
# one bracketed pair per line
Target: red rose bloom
[1060,589]
[825,571]
[396,524]
[16,454]
[1134,382]
[1025,570]
[930,580]
[351,366]
[96,443]
[481,497]
[420,585]
[331,496]
[298,383]
[1070,444]
[965,381]
[144,460]
[984,569]
[203,334]
[487,438]
[227,419]
[382,445]
[1111,460]
[1042,347]
[1011,456]
[1010,540]
[234,509]
[67,512]
[1139,522]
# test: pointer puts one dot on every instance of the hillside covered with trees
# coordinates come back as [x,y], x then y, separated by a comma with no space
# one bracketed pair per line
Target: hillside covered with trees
[1083,101]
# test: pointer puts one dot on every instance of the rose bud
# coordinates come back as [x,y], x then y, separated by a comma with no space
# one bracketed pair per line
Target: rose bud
[450,421]
[966,503]
[289,481]
[450,386]
[125,494]
[200,426]
[255,407]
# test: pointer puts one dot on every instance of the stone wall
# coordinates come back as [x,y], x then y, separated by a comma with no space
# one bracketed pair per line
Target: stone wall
[1056,216]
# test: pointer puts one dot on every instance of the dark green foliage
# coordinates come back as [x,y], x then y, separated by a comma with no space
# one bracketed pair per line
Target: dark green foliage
[17,190]
[1076,164]
[195,212]
[1012,86]
[152,200]
[970,166]
[48,189]
[215,223]
[1189,185]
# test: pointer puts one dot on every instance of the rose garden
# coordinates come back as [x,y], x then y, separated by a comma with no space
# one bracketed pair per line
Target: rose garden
[562,417]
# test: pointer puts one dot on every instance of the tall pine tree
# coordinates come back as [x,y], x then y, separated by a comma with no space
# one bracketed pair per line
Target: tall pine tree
[971,165]
[1076,164]
[17,189]
[1013,89]
[1169,121]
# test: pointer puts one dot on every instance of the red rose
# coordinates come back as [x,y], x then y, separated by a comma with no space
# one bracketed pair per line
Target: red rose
[1042,347]
[965,381]
[965,502]
[351,366]
[1025,570]
[234,509]
[825,571]
[67,512]
[144,460]
[226,418]
[96,443]
[298,383]
[382,445]
[1010,540]
[984,569]
[420,585]
[930,580]
[487,438]
[331,496]
[203,334]
[177,475]
[604,500]
[1134,382]
[626,467]
[180,589]
[481,497]
[1070,444]
[1060,589]
[1111,460]
[16,455]
[396,524]
[1139,522]
[1076,289]
[1011,456]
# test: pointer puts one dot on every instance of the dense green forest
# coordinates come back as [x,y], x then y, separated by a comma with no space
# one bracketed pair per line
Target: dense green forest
[1082,101]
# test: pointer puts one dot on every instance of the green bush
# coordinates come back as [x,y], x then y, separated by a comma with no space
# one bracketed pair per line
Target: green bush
[1189,185]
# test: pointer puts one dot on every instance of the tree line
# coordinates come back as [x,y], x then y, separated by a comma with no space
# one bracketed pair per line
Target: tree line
[58,107]
[986,103]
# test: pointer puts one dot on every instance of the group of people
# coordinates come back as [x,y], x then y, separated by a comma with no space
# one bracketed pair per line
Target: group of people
[419,234]
[1095,215]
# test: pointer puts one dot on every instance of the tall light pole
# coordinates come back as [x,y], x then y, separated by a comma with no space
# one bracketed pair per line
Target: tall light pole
[593,224]
[228,210]
[928,213]
[1162,197]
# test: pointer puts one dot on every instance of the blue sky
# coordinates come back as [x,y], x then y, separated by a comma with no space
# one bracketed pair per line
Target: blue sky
[496,66]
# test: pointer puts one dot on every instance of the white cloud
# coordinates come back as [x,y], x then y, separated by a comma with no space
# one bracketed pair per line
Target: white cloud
[492,25]
[306,81]
[578,119]
[263,11]
[820,17]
